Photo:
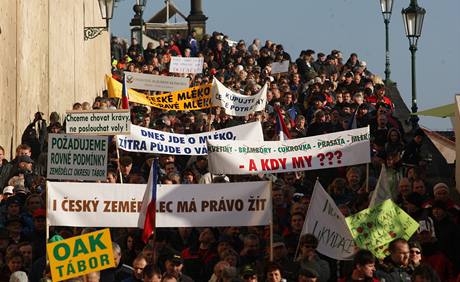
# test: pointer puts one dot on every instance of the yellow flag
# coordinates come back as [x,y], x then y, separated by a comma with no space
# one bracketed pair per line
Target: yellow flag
[193,98]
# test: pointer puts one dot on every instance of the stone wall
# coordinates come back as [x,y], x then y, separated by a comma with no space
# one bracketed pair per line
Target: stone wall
[46,64]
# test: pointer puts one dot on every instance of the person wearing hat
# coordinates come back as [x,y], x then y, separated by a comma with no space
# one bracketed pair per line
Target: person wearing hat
[441,193]
[126,165]
[248,274]
[173,265]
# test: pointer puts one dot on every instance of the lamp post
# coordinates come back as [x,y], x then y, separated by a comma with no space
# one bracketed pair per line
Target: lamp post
[387,7]
[106,7]
[137,22]
[413,21]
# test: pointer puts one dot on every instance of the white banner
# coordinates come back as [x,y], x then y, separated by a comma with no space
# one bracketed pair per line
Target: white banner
[327,223]
[280,67]
[76,157]
[337,149]
[186,65]
[153,82]
[98,122]
[186,205]
[147,140]
[236,104]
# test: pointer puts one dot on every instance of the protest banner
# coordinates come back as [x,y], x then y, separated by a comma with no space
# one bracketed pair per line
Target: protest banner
[236,104]
[184,205]
[98,122]
[194,98]
[280,67]
[327,223]
[382,190]
[114,88]
[373,228]
[146,140]
[186,64]
[80,255]
[344,148]
[77,157]
[153,82]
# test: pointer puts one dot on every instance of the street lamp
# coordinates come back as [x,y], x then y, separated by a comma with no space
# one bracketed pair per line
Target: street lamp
[137,22]
[387,7]
[106,7]
[413,21]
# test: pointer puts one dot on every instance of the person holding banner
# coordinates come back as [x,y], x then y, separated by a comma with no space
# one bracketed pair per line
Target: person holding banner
[309,259]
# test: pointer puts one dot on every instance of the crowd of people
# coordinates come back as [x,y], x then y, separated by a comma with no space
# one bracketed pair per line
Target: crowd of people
[322,92]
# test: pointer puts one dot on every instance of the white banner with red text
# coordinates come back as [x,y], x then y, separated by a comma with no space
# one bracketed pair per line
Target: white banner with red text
[344,148]
[182,205]
[146,140]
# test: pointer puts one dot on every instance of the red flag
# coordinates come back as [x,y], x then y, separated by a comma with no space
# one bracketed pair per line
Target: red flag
[124,95]
[148,210]
[280,125]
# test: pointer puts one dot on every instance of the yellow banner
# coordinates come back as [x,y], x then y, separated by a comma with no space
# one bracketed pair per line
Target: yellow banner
[80,255]
[194,98]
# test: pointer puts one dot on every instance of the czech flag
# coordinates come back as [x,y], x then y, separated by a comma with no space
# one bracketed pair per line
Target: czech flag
[148,210]
[124,95]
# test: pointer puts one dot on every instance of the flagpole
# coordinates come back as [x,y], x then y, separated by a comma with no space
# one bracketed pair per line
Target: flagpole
[47,220]
[367,169]
[271,230]
[118,157]
[367,178]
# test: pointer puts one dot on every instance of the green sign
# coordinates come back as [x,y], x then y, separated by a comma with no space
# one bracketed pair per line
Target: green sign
[374,228]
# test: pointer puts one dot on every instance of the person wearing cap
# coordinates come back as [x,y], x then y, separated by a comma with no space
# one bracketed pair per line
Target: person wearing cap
[126,165]
[7,192]
[363,268]
[173,266]
[248,274]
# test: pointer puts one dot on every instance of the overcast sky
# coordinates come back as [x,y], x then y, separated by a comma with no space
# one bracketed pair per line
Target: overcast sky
[347,25]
